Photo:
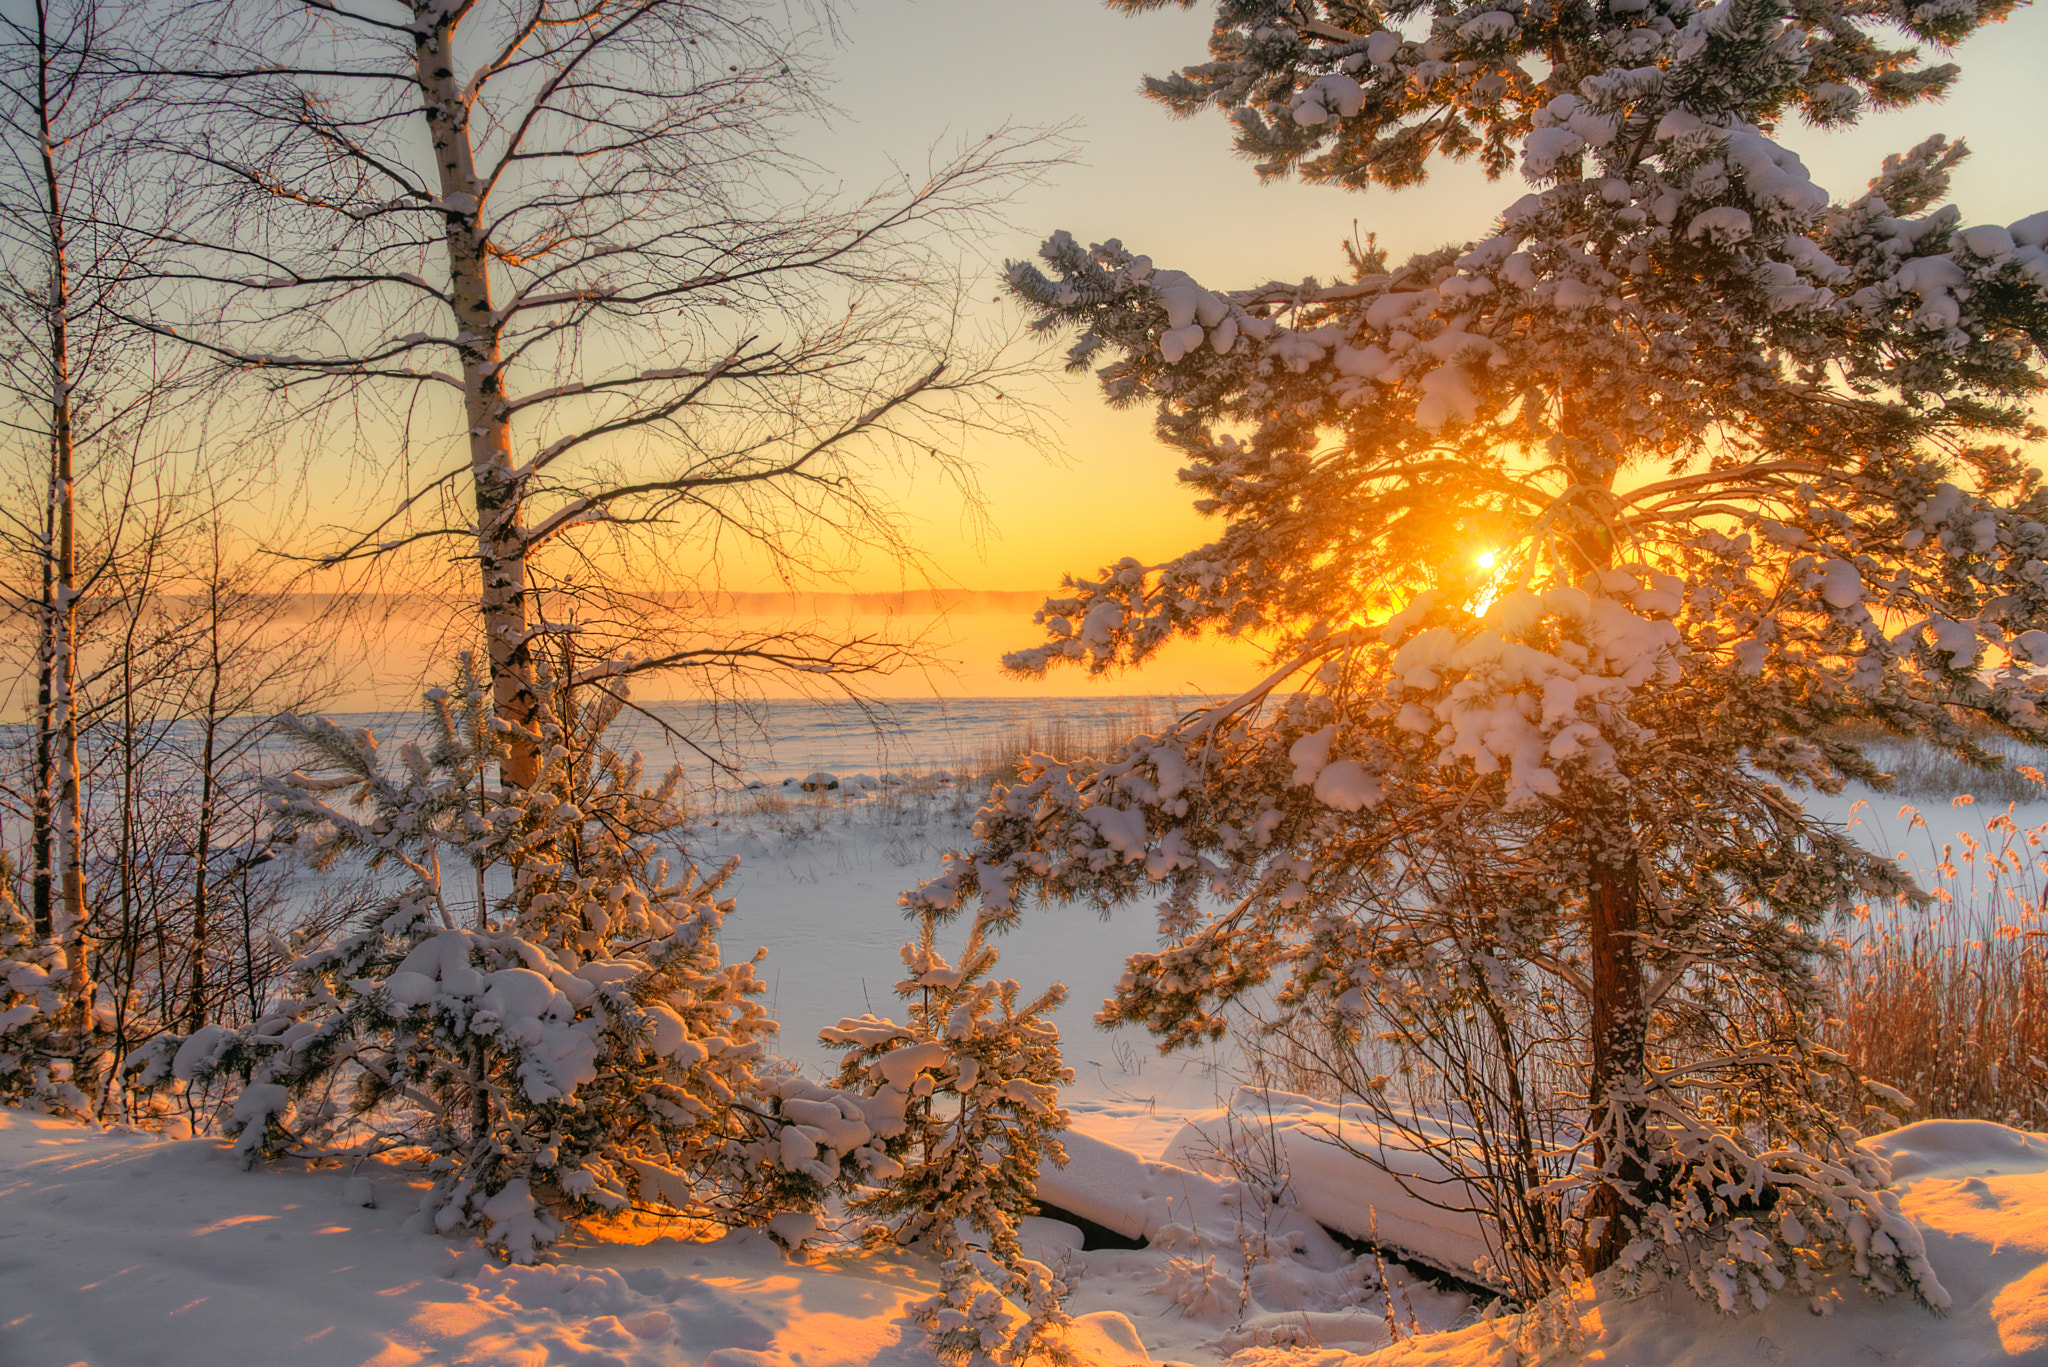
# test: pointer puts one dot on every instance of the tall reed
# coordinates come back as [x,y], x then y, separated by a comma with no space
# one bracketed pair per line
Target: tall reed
[1949,1002]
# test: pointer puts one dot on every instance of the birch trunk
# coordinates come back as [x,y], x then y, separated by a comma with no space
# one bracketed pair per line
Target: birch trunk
[202,887]
[42,786]
[496,486]
[67,825]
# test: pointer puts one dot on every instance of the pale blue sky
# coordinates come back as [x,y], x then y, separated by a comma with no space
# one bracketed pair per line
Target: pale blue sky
[914,70]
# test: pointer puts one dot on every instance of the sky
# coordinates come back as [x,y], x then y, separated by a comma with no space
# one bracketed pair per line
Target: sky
[911,78]
[915,72]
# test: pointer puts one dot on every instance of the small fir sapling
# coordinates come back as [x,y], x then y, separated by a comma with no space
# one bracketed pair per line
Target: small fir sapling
[37,1057]
[964,1099]
[572,1048]
[1739,455]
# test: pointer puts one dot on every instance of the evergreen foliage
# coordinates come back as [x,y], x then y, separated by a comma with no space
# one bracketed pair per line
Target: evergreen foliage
[571,1047]
[37,1053]
[1577,540]
[969,1086]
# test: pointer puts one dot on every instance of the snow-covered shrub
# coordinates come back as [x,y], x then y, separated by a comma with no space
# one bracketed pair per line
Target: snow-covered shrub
[574,1047]
[1199,1290]
[38,1053]
[963,1098]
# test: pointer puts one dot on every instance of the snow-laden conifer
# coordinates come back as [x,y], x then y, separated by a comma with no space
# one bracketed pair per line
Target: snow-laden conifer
[37,1052]
[964,1099]
[572,1045]
[1575,539]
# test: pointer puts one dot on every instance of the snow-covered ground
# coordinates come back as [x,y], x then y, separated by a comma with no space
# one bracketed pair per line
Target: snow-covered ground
[124,1250]
[118,1250]
[1978,1191]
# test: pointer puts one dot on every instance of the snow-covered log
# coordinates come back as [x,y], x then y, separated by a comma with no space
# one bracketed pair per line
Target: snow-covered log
[1352,1172]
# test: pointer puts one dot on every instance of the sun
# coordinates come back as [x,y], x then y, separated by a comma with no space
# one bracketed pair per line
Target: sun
[1484,560]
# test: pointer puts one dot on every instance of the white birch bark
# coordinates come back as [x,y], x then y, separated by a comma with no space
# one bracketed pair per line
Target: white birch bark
[496,487]
[69,912]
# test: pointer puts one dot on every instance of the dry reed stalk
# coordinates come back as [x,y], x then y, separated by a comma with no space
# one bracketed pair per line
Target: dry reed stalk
[1955,1018]
[1949,1003]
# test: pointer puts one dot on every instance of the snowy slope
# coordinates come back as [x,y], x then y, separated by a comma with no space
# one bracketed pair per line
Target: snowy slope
[120,1251]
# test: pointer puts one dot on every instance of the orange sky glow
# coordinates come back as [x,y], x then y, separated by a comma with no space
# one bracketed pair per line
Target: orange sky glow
[912,76]
[1175,190]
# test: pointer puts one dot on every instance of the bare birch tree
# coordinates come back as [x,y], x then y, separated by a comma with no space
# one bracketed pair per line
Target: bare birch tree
[248,656]
[69,384]
[103,441]
[562,250]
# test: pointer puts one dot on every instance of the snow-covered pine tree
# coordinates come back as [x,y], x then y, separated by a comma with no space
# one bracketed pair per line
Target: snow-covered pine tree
[1572,539]
[964,1099]
[573,1047]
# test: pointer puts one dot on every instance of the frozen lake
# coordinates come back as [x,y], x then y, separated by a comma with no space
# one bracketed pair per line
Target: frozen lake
[779,738]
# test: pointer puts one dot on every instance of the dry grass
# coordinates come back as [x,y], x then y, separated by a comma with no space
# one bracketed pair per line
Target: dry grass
[1921,770]
[1953,1015]
[1949,1004]
[1052,732]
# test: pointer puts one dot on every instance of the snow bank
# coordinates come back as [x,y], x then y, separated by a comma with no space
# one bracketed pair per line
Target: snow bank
[1309,1151]
[1133,1196]
[1979,1192]
[1226,1267]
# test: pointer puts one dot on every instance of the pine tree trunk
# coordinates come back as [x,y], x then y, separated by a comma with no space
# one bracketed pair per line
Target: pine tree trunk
[1617,1096]
[1617,1092]
[496,486]
[479,1097]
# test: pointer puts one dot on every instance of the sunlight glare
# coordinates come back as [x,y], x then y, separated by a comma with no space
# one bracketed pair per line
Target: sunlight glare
[1485,560]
